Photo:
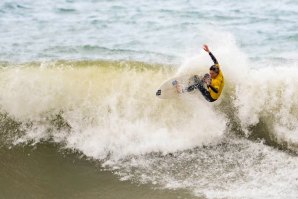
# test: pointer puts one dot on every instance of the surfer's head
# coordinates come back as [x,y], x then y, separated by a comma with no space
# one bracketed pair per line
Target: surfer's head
[214,70]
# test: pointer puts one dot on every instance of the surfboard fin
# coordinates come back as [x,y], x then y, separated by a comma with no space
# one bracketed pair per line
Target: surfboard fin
[158,92]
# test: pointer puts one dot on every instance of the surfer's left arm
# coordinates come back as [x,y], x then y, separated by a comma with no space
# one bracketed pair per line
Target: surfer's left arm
[214,85]
[213,88]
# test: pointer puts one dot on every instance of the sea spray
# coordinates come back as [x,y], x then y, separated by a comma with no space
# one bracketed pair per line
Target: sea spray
[106,110]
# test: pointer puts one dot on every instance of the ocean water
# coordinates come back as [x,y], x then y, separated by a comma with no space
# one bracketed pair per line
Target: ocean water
[78,112]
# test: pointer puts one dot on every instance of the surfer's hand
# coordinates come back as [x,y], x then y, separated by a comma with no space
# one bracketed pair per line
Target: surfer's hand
[205,47]
[207,81]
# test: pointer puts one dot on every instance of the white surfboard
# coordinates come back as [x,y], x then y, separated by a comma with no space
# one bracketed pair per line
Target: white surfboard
[176,86]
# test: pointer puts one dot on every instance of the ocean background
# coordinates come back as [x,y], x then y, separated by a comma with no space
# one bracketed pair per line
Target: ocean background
[79,117]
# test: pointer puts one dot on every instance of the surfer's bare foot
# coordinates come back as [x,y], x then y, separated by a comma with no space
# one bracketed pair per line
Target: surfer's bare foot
[179,88]
[206,79]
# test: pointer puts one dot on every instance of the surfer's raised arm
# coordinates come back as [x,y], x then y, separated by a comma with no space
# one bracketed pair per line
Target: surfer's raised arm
[205,47]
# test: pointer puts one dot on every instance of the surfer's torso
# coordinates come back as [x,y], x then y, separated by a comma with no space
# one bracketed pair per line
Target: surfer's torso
[218,83]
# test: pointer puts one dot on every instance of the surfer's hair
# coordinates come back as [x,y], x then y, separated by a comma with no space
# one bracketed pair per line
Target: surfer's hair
[215,68]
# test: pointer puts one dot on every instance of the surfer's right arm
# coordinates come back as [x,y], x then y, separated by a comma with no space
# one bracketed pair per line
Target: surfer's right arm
[205,47]
[213,58]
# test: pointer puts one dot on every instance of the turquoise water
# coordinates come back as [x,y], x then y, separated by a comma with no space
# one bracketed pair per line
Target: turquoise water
[139,30]
[78,112]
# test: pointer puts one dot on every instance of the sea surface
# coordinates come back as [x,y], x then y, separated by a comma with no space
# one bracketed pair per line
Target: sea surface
[79,117]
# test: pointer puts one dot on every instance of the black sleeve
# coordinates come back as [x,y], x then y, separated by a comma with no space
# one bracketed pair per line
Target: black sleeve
[214,89]
[213,58]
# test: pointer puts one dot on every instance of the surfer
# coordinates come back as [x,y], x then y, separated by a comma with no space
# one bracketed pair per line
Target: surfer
[214,84]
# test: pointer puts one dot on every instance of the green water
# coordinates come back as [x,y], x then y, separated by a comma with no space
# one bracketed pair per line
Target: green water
[44,172]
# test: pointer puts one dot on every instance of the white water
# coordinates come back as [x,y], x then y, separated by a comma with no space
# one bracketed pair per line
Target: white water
[107,109]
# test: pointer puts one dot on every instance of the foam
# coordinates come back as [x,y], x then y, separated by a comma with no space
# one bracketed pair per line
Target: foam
[112,112]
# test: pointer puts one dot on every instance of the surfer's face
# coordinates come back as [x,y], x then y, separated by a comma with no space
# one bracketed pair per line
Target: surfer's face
[212,73]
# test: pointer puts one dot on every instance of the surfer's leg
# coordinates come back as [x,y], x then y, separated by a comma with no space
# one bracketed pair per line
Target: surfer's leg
[191,88]
[196,80]
[204,92]
[199,84]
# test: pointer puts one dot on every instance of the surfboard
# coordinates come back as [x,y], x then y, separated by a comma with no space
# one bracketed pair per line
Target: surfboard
[177,86]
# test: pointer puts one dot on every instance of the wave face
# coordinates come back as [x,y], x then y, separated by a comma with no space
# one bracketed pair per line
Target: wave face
[108,111]
[105,109]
